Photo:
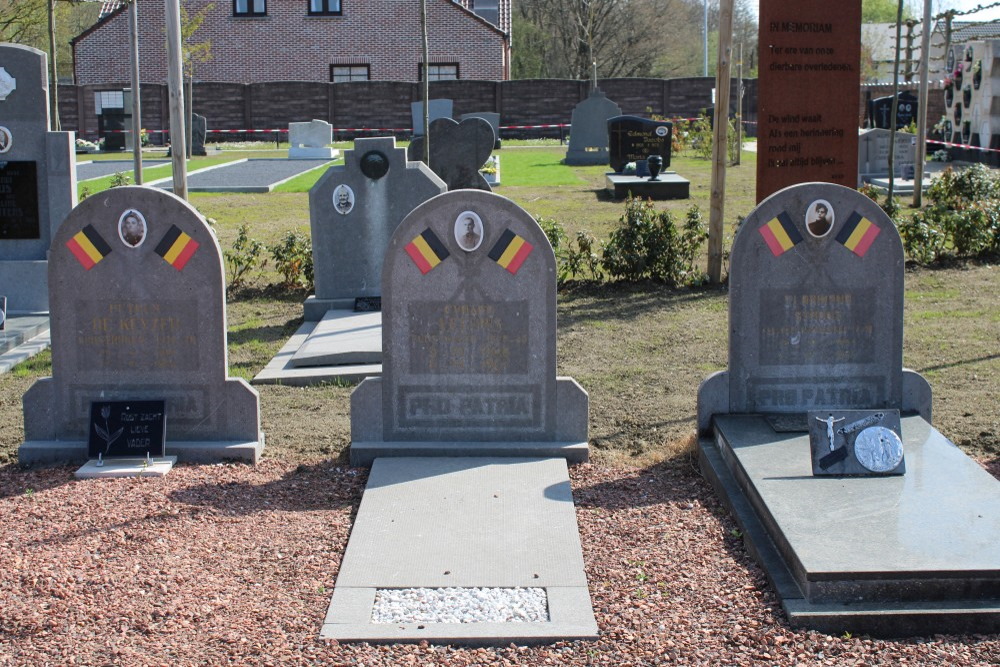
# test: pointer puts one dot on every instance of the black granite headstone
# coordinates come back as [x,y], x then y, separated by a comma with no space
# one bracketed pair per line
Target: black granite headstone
[880,110]
[127,429]
[19,200]
[631,139]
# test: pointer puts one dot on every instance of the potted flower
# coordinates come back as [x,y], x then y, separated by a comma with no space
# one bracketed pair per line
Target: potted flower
[491,170]
[977,74]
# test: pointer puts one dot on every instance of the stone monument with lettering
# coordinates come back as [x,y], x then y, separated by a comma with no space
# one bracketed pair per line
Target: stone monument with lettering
[850,537]
[458,151]
[588,134]
[639,141]
[37,178]
[469,340]
[809,94]
[873,156]
[138,313]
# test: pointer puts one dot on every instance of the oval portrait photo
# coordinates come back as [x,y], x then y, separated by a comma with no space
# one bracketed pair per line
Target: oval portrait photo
[343,199]
[132,228]
[469,231]
[819,218]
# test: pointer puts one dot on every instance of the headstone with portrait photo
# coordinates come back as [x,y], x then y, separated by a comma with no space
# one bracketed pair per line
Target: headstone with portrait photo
[458,151]
[353,210]
[139,314]
[469,340]
[37,178]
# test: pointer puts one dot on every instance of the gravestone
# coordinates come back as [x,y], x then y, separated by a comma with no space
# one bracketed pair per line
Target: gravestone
[873,155]
[199,130]
[310,140]
[633,139]
[588,135]
[809,94]
[490,117]
[880,111]
[353,210]
[804,435]
[458,151]
[441,108]
[138,313]
[469,340]
[37,179]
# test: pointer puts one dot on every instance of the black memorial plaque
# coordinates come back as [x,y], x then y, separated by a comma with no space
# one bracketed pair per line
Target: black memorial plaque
[127,429]
[19,200]
[632,139]
[880,111]
[856,442]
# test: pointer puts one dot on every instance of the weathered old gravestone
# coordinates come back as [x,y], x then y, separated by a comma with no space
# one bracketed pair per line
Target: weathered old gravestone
[873,155]
[37,178]
[441,108]
[353,210]
[809,94]
[310,140]
[635,139]
[490,117]
[588,138]
[469,340]
[138,313]
[458,151]
[850,536]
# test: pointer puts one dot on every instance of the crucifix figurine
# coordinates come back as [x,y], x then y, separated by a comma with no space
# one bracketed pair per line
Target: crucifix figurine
[829,421]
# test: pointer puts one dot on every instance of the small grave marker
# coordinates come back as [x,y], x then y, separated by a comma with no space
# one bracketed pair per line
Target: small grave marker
[127,429]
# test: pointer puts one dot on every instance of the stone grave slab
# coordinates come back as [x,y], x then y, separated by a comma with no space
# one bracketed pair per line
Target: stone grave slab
[282,369]
[635,139]
[311,139]
[343,337]
[23,337]
[353,210]
[469,340]
[86,171]
[465,523]
[245,175]
[438,108]
[816,318]
[138,310]
[37,179]
[458,151]
[588,136]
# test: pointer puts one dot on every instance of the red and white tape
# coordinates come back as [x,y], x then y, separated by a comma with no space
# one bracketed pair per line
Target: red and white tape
[951,145]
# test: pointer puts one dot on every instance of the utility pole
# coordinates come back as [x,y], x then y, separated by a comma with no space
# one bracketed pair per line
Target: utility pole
[739,108]
[133,35]
[895,102]
[53,73]
[427,83]
[921,154]
[719,142]
[705,35]
[175,86]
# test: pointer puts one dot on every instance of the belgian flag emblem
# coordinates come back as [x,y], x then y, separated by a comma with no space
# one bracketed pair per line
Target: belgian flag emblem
[426,251]
[858,234]
[780,234]
[88,247]
[510,251]
[176,247]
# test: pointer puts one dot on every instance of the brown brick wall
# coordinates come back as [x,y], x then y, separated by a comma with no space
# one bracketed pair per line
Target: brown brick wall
[289,45]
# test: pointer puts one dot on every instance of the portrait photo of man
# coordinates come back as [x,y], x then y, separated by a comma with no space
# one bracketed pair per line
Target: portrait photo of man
[5,140]
[132,228]
[819,218]
[343,199]
[469,231]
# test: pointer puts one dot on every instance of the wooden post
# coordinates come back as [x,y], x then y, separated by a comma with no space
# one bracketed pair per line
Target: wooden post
[133,35]
[426,83]
[921,154]
[739,108]
[175,87]
[719,142]
[53,73]
[895,103]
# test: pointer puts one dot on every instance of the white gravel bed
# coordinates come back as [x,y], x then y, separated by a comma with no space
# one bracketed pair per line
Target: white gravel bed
[460,605]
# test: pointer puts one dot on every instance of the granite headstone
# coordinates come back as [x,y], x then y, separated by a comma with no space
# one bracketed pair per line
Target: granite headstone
[310,139]
[490,117]
[458,151]
[880,111]
[469,337]
[199,131]
[37,178]
[139,313]
[353,210]
[588,136]
[873,154]
[440,108]
[634,139]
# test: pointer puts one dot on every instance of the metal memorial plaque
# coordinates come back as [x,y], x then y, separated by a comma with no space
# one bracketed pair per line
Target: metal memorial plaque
[19,217]
[127,429]
[856,442]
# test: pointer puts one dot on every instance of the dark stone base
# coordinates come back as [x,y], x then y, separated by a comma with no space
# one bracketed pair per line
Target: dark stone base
[864,555]
[667,186]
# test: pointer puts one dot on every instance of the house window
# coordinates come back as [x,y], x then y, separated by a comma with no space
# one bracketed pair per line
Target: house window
[340,73]
[325,8]
[249,7]
[438,71]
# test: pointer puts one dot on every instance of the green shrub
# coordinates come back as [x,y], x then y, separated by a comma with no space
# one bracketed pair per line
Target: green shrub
[294,261]
[648,244]
[575,258]
[120,178]
[246,256]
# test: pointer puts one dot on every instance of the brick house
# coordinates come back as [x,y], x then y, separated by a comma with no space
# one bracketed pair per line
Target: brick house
[255,41]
